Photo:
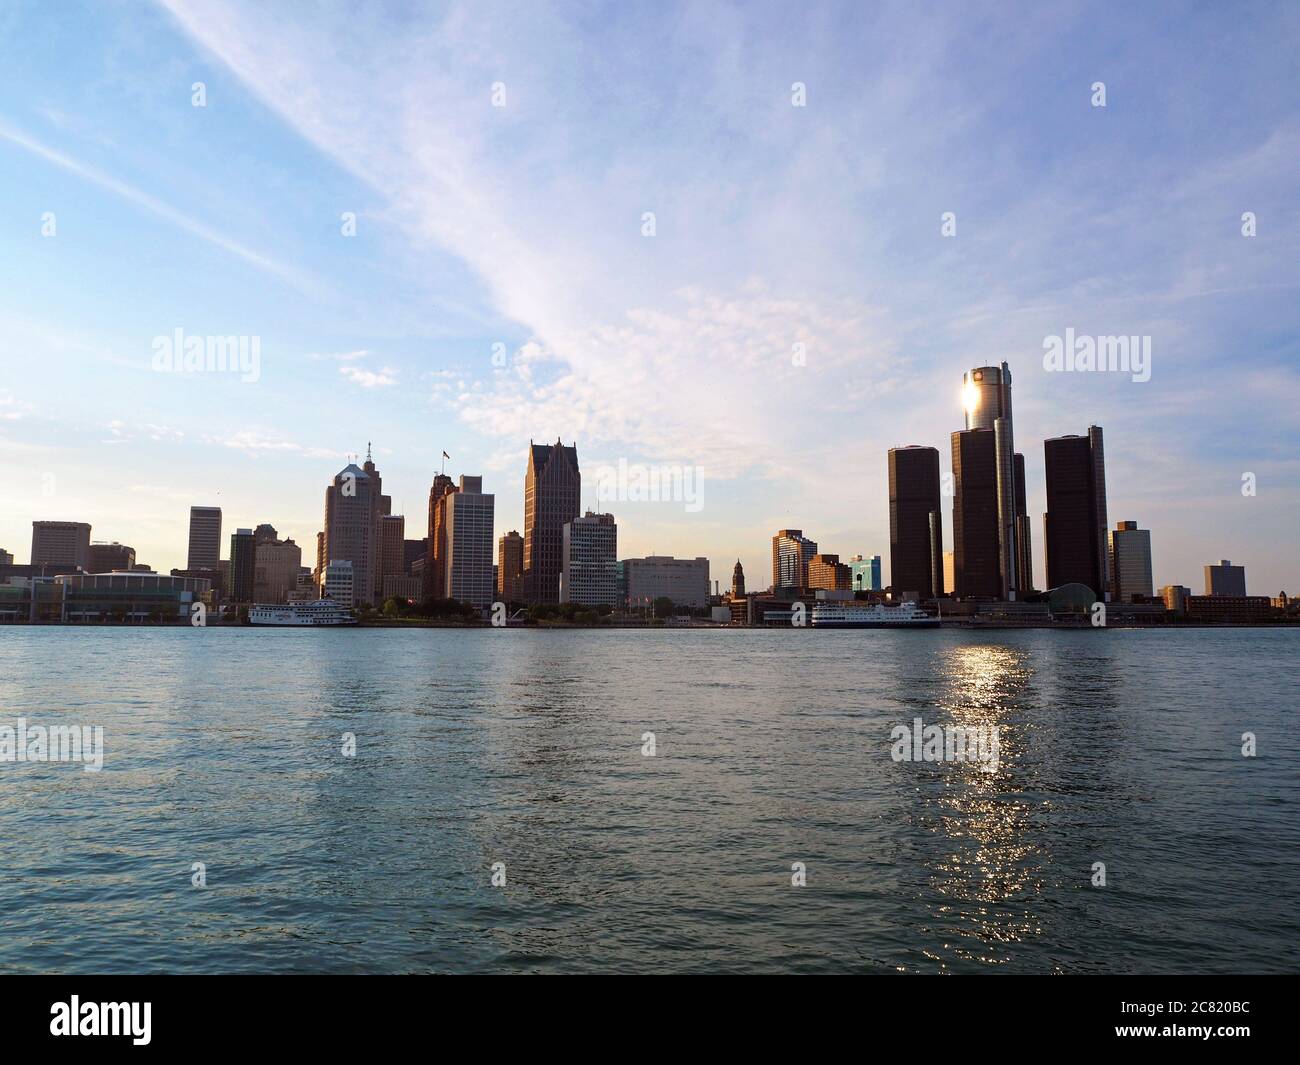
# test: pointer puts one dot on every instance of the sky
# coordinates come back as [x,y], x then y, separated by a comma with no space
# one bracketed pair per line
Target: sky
[758,241]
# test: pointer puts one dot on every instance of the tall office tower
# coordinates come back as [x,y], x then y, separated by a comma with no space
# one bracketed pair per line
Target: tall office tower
[351,534]
[552,494]
[1024,541]
[265,534]
[738,581]
[1130,562]
[949,573]
[435,559]
[510,567]
[104,558]
[470,515]
[1225,579]
[589,568]
[392,550]
[61,544]
[205,538]
[413,550]
[791,553]
[915,521]
[986,395]
[243,566]
[976,551]
[1073,551]
[275,569]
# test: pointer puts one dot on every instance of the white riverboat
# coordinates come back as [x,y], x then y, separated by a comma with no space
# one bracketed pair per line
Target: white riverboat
[311,612]
[846,615]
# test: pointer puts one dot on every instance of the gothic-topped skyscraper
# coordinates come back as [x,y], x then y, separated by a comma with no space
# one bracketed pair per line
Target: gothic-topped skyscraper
[552,496]
[738,581]
[354,503]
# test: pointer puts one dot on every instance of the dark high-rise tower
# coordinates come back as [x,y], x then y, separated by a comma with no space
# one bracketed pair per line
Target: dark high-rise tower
[243,565]
[915,521]
[976,557]
[986,395]
[552,494]
[738,581]
[1024,552]
[435,559]
[1074,527]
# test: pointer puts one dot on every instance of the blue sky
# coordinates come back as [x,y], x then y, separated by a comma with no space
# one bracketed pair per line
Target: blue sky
[521,225]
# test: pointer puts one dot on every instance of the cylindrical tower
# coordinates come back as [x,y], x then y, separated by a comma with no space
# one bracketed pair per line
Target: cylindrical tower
[986,395]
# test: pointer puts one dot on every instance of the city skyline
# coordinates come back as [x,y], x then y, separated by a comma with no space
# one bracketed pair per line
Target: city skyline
[799,292]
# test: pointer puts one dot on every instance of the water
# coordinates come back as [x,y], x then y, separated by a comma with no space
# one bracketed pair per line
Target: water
[524,747]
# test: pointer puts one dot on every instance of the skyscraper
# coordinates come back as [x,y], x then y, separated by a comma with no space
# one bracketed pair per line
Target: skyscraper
[738,581]
[791,553]
[392,550]
[104,558]
[976,551]
[1074,528]
[915,521]
[243,566]
[986,395]
[510,567]
[1130,562]
[589,574]
[435,565]
[61,545]
[1024,541]
[205,538]
[275,569]
[469,530]
[353,506]
[828,572]
[552,498]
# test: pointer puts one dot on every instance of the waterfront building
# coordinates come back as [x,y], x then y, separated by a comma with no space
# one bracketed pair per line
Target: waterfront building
[354,503]
[470,514]
[6,557]
[1225,579]
[791,553]
[828,572]
[552,499]
[1229,609]
[915,521]
[986,397]
[276,569]
[949,573]
[435,562]
[1074,527]
[403,587]
[392,550]
[1130,562]
[977,556]
[589,570]
[104,557]
[1175,597]
[864,574]
[243,566]
[62,545]
[205,538]
[340,583]
[683,580]
[131,596]
[510,567]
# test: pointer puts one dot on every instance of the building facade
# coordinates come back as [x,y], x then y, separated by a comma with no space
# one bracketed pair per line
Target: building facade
[915,521]
[354,503]
[510,568]
[275,570]
[738,581]
[435,561]
[340,583]
[976,552]
[104,558]
[791,553]
[1130,562]
[683,580]
[241,583]
[864,574]
[1225,579]
[589,575]
[828,572]
[61,544]
[986,393]
[205,538]
[1075,548]
[392,550]
[552,495]
[470,514]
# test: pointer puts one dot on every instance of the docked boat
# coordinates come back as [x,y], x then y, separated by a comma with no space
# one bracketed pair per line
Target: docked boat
[314,612]
[846,615]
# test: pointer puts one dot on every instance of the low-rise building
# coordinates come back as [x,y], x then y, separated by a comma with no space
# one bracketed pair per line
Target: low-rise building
[683,580]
